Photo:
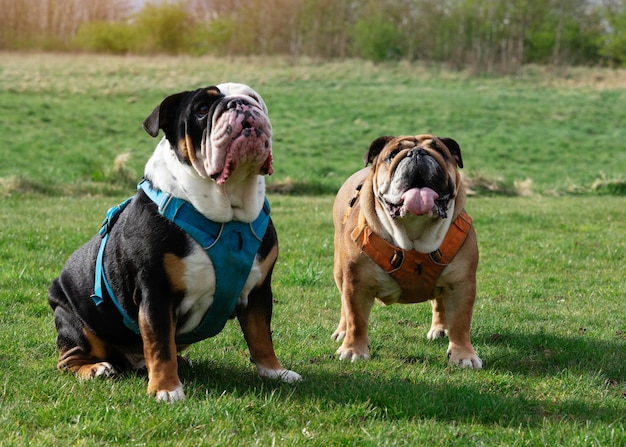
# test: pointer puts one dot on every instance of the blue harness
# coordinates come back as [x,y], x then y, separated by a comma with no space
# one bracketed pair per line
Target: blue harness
[231,246]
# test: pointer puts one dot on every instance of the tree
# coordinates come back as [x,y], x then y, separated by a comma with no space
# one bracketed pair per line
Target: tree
[25,23]
[612,42]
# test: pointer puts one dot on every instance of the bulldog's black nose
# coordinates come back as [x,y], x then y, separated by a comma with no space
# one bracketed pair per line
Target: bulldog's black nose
[416,151]
[232,104]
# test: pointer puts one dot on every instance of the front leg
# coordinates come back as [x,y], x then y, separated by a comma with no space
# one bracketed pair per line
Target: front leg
[340,332]
[255,320]
[458,306]
[355,311]
[159,347]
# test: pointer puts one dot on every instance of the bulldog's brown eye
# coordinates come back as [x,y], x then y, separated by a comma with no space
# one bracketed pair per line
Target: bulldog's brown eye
[202,111]
[443,152]
[392,154]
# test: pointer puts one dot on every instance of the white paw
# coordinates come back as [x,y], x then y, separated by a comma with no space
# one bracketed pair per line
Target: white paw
[103,369]
[435,333]
[175,395]
[338,335]
[347,354]
[472,362]
[284,375]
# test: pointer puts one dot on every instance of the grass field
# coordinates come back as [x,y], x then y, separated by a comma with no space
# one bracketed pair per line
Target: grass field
[69,117]
[549,322]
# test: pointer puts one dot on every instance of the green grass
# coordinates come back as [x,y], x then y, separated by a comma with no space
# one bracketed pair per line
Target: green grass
[548,325]
[549,318]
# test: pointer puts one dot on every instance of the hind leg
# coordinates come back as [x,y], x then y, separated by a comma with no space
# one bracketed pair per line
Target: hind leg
[80,350]
[85,367]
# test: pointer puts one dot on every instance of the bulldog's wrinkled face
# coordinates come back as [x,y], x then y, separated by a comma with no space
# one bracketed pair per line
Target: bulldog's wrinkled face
[415,175]
[216,130]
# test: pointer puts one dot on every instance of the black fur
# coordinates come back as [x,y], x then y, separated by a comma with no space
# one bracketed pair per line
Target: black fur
[133,259]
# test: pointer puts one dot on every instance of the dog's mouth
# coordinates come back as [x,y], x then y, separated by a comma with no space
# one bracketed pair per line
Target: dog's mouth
[240,135]
[418,186]
[419,201]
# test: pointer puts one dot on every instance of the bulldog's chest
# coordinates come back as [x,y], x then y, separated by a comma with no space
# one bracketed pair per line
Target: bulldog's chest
[206,289]
[197,281]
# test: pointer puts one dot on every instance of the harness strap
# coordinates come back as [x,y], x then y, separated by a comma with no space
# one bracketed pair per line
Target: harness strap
[353,200]
[204,231]
[392,258]
[98,295]
[182,213]
[100,275]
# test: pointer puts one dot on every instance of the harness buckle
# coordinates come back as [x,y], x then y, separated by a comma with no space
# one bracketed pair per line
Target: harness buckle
[397,258]
[436,255]
[111,216]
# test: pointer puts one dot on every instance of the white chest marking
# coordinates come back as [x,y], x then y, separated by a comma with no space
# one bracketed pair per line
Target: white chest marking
[199,282]
[200,285]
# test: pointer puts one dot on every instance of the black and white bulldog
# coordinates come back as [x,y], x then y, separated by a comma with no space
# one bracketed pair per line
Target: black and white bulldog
[193,248]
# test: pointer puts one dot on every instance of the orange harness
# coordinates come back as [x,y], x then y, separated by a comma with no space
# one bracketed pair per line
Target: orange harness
[416,273]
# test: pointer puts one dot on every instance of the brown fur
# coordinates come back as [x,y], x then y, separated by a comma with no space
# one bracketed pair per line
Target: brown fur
[361,281]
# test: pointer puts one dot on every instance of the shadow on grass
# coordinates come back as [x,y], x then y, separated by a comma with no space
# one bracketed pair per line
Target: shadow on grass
[544,354]
[507,392]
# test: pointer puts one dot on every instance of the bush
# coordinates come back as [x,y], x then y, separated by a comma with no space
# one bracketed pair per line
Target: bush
[164,28]
[106,37]
[215,38]
[613,42]
[377,39]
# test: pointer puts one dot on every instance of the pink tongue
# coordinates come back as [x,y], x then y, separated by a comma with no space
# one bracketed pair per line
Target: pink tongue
[419,200]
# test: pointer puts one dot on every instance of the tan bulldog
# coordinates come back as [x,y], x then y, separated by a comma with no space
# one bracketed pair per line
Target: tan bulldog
[402,236]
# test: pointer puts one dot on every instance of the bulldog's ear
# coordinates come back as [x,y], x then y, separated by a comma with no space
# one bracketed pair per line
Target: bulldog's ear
[454,149]
[163,115]
[375,148]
